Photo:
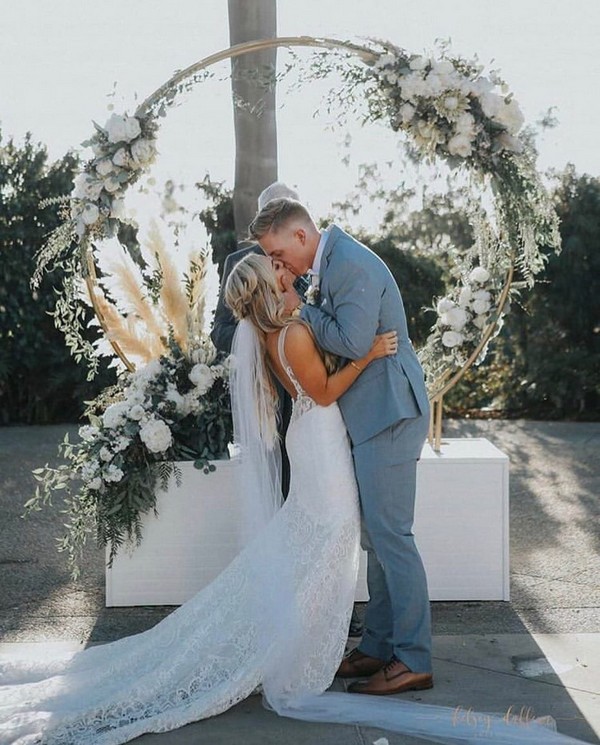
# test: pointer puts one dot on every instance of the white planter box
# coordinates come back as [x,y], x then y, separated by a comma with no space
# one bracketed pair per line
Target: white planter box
[461,528]
[461,521]
[196,535]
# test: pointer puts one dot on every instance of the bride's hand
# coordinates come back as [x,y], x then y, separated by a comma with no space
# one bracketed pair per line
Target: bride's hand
[383,345]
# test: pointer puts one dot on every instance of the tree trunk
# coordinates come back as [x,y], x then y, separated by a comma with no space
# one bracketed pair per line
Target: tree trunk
[254,107]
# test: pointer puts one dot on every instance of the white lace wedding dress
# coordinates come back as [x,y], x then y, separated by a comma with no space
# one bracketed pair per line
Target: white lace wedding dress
[276,619]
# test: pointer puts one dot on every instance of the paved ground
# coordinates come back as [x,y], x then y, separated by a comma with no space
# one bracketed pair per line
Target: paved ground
[541,651]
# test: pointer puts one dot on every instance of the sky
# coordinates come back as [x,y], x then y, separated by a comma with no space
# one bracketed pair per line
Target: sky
[60,60]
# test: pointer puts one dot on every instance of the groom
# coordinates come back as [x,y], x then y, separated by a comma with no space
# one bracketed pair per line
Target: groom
[387,414]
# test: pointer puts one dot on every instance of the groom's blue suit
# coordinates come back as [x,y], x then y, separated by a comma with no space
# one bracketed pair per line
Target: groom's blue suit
[386,412]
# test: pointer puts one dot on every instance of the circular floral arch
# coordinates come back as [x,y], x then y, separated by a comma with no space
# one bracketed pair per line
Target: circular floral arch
[449,111]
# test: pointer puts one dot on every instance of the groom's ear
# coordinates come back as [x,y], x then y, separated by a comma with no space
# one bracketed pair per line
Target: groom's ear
[300,234]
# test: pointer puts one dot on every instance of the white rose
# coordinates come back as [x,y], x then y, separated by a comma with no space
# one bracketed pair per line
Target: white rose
[105,454]
[114,415]
[464,297]
[121,158]
[95,483]
[443,67]
[479,275]
[455,317]
[113,473]
[510,115]
[465,125]
[444,305]
[122,128]
[112,185]
[482,86]
[104,167]
[90,214]
[86,186]
[143,152]
[418,63]
[407,112]
[481,306]
[504,141]
[434,84]
[156,436]
[202,377]
[480,321]
[459,145]
[136,412]
[451,339]
[117,208]
[88,432]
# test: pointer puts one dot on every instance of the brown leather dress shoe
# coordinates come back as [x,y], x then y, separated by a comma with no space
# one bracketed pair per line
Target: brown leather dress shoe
[359,665]
[394,677]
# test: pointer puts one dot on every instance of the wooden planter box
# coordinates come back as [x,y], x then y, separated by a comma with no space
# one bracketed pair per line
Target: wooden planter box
[461,528]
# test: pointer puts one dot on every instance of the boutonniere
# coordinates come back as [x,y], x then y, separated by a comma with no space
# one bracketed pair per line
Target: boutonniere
[312,293]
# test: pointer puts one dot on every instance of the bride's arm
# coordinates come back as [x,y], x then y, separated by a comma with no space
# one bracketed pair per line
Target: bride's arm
[307,365]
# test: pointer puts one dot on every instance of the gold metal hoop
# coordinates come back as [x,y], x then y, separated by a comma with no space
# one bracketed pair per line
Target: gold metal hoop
[447,380]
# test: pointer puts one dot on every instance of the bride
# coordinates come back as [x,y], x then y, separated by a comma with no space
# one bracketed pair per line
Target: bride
[276,619]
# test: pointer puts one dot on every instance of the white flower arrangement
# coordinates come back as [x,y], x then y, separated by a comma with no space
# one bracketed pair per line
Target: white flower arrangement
[137,432]
[448,107]
[123,149]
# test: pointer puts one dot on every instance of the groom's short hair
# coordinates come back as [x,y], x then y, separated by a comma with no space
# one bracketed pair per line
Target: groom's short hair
[276,214]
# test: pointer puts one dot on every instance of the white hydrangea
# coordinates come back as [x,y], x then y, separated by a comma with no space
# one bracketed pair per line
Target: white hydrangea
[156,436]
[113,473]
[95,483]
[88,432]
[121,443]
[105,454]
[86,187]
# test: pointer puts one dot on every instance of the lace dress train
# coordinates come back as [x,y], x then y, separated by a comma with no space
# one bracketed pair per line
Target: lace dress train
[276,619]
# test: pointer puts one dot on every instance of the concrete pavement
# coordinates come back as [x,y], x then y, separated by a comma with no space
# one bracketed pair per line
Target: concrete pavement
[540,652]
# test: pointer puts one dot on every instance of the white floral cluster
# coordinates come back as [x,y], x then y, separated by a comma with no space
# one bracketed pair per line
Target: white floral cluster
[150,407]
[449,111]
[464,318]
[122,151]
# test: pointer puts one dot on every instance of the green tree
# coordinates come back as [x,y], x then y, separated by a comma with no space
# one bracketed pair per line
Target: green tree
[546,363]
[39,381]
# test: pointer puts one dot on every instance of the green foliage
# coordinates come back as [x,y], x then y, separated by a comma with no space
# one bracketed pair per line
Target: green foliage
[176,408]
[39,381]
[547,361]
[218,220]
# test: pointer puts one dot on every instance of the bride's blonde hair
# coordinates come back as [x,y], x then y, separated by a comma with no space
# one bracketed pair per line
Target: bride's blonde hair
[252,292]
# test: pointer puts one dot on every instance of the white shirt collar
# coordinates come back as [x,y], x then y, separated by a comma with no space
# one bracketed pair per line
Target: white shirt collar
[320,248]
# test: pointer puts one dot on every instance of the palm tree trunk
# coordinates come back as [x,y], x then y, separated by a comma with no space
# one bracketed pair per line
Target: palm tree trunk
[254,107]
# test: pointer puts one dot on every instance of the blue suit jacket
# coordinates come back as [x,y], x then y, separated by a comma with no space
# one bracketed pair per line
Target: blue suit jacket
[358,298]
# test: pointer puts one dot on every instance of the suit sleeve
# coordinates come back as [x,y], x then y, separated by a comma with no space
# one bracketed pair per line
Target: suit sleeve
[354,320]
[224,324]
